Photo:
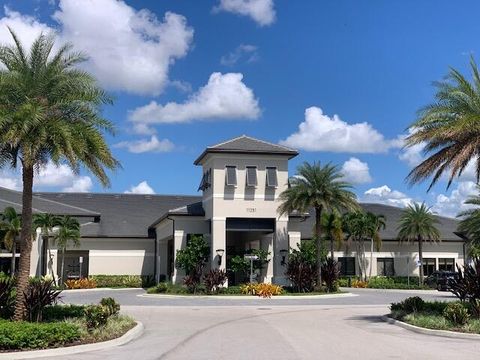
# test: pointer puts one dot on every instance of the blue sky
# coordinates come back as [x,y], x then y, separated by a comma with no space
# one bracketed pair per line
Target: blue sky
[232,67]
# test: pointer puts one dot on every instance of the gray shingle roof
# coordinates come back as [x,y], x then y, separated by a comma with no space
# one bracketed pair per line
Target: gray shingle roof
[40,205]
[447,226]
[122,215]
[246,144]
[194,209]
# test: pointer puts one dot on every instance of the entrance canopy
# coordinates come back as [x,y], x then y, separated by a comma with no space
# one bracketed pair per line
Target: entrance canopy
[259,225]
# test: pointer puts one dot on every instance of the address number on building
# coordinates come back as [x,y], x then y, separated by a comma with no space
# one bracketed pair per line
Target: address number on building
[251,210]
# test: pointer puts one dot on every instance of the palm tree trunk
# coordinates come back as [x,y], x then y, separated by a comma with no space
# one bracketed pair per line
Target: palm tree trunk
[420,258]
[14,255]
[25,242]
[332,248]
[62,267]
[371,258]
[318,243]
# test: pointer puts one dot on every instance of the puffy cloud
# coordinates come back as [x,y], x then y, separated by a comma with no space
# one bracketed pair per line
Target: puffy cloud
[261,11]
[385,195]
[129,50]
[225,96]
[141,188]
[49,176]
[451,205]
[243,51]
[356,171]
[319,132]
[145,145]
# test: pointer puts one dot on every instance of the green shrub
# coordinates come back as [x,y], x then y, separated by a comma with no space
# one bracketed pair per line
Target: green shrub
[386,282]
[231,290]
[409,305]
[346,281]
[25,335]
[160,288]
[96,316]
[7,296]
[456,313]
[113,308]
[39,294]
[62,312]
[434,307]
[123,281]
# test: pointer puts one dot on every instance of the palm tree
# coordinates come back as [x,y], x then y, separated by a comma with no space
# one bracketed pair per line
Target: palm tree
[417,223]
[11,225]
[333,228]
[376,224]
[449,128]
[49,111]
[46,222]
[470,223]
[68,231]
[357,226]
[321,188]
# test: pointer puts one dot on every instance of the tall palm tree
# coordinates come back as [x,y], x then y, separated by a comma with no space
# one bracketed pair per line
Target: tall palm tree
[11,225]
[321,188]
[376,224]
[46,222]
[50,110]
[449,128]
[333,228]
[470,223]
[68,231]
[357,226]
[417,223]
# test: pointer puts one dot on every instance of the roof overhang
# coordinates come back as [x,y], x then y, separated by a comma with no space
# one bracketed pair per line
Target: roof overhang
[289,154]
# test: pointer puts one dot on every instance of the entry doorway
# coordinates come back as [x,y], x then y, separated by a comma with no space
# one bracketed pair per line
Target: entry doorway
[76,264]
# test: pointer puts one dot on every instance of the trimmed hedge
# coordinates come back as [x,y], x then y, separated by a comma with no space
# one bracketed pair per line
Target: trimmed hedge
[123,281]
[385,282]
[62,312]
[26,335]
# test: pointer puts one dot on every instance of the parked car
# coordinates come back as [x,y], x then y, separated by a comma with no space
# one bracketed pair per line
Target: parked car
[440,279]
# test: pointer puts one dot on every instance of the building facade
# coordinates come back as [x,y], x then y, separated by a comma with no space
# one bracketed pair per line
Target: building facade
[127,234]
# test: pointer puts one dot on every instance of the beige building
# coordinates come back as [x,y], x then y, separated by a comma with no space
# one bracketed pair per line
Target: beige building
[242,179]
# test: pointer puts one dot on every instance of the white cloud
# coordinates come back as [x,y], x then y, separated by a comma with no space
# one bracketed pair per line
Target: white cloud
[243,51]
[145,145]
[141,188]
[451,205]
[261,11]
[320,132]
[225,96]
[385,195]
[80,184]
[26,27]
[356,171]
[9,182]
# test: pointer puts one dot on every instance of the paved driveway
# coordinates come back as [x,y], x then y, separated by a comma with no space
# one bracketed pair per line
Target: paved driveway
[343,328]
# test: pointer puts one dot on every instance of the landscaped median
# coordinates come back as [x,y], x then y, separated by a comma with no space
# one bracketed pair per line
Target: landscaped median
[48,324]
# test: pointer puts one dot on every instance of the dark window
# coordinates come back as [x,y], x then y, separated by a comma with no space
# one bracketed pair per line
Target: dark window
[206,180]
[272,177]
[231,176]
[428,266]
[446,264]
[251,176]
[347,265]
[385,267]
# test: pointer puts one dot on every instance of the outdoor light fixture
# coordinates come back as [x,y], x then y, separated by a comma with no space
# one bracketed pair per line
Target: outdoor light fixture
[220,253]
[284,253]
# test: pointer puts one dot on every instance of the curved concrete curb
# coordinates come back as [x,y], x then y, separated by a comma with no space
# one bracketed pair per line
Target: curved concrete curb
[420,330]
[69,350]
[246,297]
[98,290]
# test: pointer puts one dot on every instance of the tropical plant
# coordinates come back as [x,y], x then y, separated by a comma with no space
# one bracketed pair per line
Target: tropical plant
[377,223]
[239,263]
[321,188]
[39,295]
[330,274]
[68,232]
[46,222]
[50,110]
[7,297]
[469,225]
[417,223]
[456,313]
[113,308]
[302,267]
[214,279]
[192,259]
[466,287]
[11,227]
[333,228]
[448,128]
[261,289]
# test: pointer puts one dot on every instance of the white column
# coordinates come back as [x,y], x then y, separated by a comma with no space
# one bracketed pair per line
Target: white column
[294,239]
[280,243]
[35,264]
[219,241]
[179,242]
[267,244]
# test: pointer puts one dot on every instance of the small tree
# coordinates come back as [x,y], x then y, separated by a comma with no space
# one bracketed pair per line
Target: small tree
[192,260]
[46,222]
[302,269]
[240,264]
[68,231]
[11,227]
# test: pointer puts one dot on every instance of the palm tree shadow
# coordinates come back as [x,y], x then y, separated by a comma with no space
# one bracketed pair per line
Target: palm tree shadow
[369,318]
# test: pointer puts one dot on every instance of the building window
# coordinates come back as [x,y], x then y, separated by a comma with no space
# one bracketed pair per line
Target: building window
[428,266]
[251,176]
[272,177]
[206,180]
[385,267]
[347,266]
[446,264]
[231,175]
